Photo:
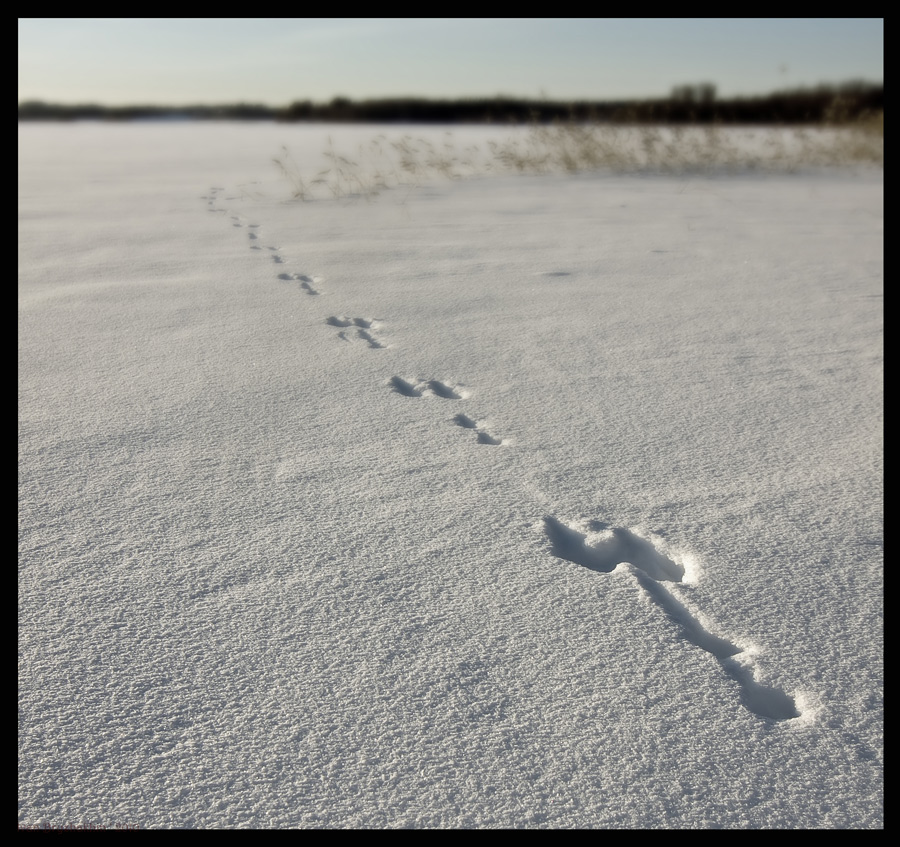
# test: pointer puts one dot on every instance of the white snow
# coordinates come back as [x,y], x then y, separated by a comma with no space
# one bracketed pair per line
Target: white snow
[523,501]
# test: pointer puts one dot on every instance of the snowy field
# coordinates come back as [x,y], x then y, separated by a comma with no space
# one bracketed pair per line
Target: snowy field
[520,501]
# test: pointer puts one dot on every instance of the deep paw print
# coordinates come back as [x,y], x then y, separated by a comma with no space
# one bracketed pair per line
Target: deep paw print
[604,548]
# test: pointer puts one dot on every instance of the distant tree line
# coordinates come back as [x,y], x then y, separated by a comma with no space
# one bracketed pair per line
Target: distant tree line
[686,104]
[37,110]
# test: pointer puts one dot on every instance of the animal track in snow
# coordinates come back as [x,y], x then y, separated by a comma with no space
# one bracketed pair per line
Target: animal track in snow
[366,336]
[621,545]
[253,234]
[365,323]
[444,392]
[360,328]
[211,200]
[481,436]
[407,389]
[417,389]
[651,568]
[306,282]
[439,389]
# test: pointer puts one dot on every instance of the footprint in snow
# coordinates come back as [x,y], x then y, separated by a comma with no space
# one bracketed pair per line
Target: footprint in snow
[651,567]
[306,282]
[211,199]
[481,435]
[445,392]
[417,389]
[352,328]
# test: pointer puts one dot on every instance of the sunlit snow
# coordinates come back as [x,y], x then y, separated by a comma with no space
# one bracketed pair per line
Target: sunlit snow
[545,501]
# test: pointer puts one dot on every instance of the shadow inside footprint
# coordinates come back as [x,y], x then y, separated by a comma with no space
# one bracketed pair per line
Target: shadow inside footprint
[407,389]
[760,699]
[621,545]
[464,421]
[370,339]
[651,569]
[568,544]
[481,436]
[444,391]
[691,628]
[485,438]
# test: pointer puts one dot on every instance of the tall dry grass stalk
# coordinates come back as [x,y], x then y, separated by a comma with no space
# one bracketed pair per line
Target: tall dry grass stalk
[568,147]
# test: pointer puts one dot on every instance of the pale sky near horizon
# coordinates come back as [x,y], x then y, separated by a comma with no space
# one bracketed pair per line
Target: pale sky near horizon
[276,61]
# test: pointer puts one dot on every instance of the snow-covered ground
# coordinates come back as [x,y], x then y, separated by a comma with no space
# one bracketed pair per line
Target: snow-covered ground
[523,501]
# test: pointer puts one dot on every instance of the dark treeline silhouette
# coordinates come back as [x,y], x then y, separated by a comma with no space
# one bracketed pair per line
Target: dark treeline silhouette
[686,104]
[37,110]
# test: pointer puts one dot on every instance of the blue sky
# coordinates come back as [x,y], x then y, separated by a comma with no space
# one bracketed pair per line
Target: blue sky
[279,60]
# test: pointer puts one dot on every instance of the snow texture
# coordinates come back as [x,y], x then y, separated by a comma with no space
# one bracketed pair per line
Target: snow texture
[527,501]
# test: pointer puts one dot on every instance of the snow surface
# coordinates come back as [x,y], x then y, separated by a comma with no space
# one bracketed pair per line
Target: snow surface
[527,501]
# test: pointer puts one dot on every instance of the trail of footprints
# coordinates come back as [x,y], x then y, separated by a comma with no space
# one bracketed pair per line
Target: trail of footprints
[351,329]
[609,548]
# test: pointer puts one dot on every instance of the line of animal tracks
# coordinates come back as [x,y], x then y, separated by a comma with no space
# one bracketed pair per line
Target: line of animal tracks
[594,545]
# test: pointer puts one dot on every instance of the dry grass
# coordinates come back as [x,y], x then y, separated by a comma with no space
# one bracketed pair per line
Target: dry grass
[408,162]
[382,164]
